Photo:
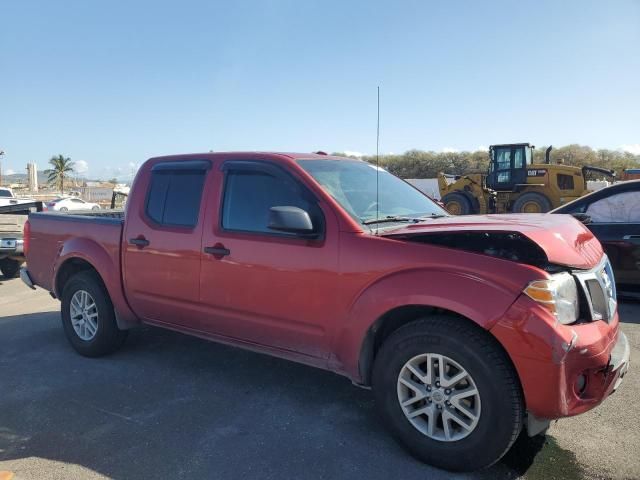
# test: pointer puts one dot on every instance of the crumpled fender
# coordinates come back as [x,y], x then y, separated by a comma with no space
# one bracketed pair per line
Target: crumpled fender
[481,300]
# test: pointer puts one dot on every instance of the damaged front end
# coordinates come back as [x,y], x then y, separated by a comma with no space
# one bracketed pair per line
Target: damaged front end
[512,246]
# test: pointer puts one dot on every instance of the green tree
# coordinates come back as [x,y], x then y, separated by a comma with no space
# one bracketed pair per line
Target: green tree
[61,167]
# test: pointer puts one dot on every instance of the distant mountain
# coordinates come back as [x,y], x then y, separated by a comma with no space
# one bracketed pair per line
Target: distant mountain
[22,178]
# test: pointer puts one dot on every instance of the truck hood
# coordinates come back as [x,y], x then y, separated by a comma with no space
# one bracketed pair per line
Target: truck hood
[561,238]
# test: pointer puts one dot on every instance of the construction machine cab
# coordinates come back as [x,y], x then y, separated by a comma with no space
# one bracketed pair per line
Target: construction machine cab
[508,166]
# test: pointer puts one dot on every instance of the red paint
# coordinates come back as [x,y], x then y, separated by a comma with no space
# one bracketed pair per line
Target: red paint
[314,301]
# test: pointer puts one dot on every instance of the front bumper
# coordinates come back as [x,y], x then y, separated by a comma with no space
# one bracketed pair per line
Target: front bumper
[564,370]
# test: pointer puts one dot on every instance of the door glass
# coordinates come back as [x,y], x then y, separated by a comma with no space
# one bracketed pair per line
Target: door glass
[503,158]
[518,158]
[174,197]
[619,208]
[249,195]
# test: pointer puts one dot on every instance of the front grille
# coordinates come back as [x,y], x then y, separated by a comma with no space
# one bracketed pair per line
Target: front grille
[599,288]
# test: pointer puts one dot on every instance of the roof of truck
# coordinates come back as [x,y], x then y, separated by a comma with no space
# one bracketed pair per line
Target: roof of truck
[253,155]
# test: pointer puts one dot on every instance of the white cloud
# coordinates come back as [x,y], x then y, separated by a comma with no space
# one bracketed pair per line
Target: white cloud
[449,150]
[81,166]
[9,171]
[351,153]
[632,148]
[482,148]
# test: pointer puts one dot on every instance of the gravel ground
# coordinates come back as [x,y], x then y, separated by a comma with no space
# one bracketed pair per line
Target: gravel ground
[172,406]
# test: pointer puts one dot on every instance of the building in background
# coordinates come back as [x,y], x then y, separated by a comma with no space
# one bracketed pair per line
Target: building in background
[32,177]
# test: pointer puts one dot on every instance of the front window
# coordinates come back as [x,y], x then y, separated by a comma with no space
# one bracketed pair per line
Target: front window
[5,193]
[353,185]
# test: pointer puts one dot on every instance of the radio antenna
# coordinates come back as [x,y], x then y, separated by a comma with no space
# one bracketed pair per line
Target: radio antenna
[378,164]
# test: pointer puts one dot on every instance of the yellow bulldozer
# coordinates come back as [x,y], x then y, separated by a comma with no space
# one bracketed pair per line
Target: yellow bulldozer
[514,184]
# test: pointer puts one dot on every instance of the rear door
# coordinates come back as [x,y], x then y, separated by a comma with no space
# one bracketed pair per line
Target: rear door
[256,284]
[615,221]
[162,242]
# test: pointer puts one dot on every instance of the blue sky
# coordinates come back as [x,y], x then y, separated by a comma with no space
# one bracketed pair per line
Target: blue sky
[112,83]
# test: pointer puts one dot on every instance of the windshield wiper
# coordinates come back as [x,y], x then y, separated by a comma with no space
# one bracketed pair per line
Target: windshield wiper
[396,218]
[390,219]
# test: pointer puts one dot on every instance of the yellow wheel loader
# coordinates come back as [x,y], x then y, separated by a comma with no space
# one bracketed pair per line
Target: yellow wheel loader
[514,184]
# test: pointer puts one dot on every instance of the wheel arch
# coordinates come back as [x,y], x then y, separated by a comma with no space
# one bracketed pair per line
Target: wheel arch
[81,255]
[400,298]
[396,318]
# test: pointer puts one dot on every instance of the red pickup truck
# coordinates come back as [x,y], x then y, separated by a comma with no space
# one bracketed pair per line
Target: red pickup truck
[468,329]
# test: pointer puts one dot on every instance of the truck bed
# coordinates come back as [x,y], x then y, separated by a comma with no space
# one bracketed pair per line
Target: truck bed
[53,233]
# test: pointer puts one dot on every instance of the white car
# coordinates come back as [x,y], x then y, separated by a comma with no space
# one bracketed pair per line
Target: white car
[70,204]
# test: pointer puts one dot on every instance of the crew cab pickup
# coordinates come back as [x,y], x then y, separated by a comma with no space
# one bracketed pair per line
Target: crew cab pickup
[468,329]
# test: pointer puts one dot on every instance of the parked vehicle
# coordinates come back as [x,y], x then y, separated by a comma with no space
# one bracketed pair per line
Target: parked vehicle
[12,220]
[67,204]
[467,328]
[613,215]
[7,197]
[514,184]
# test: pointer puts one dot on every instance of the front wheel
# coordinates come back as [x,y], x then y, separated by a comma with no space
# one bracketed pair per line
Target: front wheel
[88,317]
[449,393]
[457,203]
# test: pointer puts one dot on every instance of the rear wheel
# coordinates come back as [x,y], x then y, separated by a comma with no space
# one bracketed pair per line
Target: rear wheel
[531,203]
[95,208]
[9,267]
[457,204]
[88,317]
[449,393]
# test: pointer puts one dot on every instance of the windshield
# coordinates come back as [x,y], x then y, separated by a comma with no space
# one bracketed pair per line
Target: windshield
[353,185]
[5,193]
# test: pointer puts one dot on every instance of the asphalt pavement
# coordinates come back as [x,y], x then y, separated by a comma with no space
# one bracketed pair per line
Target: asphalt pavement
[172,406]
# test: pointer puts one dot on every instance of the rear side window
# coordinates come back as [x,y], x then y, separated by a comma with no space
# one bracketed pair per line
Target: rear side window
[249,195]
[565,182]
[174,197]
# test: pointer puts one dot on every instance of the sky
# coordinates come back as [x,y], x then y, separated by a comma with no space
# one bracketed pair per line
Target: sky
[112,83]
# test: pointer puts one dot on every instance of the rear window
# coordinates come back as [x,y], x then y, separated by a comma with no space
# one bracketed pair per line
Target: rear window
[565,182]
[5,193]
[174,197]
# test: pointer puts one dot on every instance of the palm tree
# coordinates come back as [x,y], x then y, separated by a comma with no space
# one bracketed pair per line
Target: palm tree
[61,167]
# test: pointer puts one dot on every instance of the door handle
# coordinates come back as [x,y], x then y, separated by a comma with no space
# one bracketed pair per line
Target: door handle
[632,238]
[139,242]
[217,250]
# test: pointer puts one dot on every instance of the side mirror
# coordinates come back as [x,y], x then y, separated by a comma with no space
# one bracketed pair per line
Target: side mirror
[291,220]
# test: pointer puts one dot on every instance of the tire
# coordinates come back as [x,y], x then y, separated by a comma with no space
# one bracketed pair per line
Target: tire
[95,208]
[497,403]
[531,203]
[10,268]
[457,204]
[106,337]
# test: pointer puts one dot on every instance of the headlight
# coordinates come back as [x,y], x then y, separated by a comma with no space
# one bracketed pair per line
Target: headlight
[559,295]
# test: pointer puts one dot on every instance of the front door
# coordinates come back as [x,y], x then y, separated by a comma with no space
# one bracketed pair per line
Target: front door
[615,221]
[259,285]
[508,168]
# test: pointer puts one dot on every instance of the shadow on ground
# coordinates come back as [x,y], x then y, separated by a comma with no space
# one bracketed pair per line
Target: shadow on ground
[172,406]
